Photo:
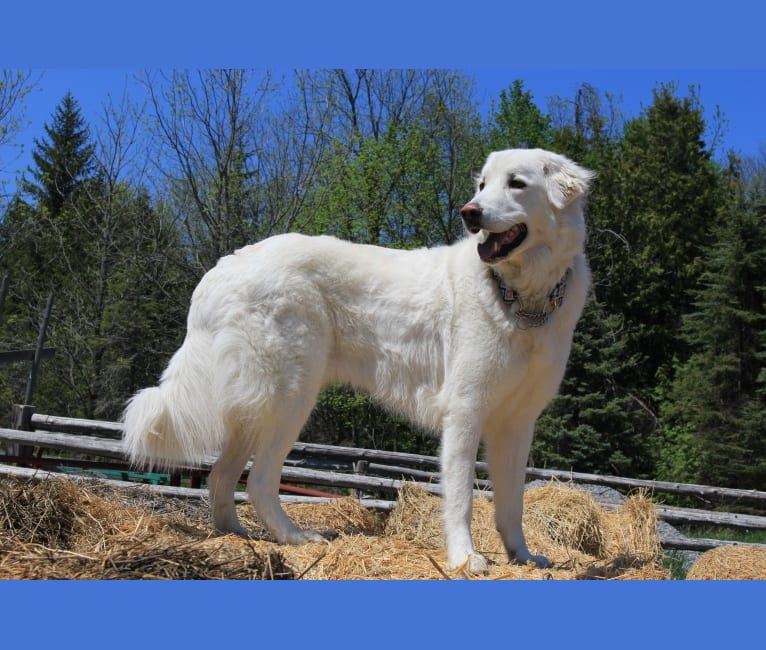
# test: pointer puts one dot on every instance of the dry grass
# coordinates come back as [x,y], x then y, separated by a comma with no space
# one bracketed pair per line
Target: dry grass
[730,563]
[59,528]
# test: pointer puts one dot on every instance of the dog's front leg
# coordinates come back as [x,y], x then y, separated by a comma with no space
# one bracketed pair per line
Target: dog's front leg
[460,444]
[507,453]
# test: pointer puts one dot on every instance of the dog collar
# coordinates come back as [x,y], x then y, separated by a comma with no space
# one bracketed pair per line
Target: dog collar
[524,319]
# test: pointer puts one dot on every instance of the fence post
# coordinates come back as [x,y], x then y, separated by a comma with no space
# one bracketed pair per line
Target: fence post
[361,467]
[22,420]
[38,351]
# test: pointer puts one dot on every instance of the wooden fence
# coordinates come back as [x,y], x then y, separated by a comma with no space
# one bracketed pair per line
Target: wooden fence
[374,476]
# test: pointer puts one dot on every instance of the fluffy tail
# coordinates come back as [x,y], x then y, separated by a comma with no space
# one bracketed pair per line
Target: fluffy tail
[179,421]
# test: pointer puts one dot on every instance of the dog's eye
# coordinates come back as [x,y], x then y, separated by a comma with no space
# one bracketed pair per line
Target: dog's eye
[516,183]
[481,186]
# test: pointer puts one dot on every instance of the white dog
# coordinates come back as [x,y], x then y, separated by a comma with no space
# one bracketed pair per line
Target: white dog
[470,340]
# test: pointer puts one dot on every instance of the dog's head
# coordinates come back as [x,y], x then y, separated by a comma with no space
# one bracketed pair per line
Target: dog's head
[527,202]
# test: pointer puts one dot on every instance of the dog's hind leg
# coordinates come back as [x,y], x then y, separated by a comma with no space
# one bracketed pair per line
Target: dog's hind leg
[265,473]
[223,480]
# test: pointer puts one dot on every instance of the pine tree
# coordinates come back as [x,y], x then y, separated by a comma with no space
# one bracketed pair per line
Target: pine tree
[597,423]
[665,202]
[594,423]
[516,122]
[713,412]
[63,160]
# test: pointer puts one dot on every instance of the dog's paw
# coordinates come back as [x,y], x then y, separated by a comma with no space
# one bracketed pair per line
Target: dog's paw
[474,563]
[477,563]
[303,536]
[232,529]
[540,561]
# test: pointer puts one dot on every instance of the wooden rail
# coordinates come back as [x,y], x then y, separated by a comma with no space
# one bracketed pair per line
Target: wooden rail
[383,460]
[114,449]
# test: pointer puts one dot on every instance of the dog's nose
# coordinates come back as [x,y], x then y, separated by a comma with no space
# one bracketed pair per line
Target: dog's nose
[471,213]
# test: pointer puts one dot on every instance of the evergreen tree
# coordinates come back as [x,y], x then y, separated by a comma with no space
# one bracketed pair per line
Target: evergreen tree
[516,122]
[593,424]
[144,310]
[666,201]
[597,423]
[713,413]
[98,244]
[63,160]
[754,410]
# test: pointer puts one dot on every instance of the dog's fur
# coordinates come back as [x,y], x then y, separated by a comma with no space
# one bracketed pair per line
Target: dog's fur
[426,332]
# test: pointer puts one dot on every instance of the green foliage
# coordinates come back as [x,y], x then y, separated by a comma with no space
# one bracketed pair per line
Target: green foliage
[594,424]
[63,160]
[714,398]
[403,183]
[99,246]
[347,417]
[677,564]
[666,202]
[517,122]
[706,531]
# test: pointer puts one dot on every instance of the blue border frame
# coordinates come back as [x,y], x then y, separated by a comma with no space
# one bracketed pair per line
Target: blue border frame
[563,35]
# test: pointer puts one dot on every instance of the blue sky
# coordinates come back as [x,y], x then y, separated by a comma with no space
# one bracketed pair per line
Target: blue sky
[739,93]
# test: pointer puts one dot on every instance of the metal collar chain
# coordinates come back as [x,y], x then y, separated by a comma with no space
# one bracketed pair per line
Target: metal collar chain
[528,320]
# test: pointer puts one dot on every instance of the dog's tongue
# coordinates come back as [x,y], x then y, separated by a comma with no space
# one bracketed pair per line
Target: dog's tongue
[499,244]
[491,247]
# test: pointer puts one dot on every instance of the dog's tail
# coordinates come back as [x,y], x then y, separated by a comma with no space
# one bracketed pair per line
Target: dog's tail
[177,422]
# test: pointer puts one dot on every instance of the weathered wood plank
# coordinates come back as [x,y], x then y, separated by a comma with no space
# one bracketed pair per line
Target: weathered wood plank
[115,449]
[688,489]
[76,425]
[701,543]
[418,461]
[729,519]
[66,442]
[422,462]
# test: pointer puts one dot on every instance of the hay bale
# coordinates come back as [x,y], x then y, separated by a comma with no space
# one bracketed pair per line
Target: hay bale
[555,516]
[416,517]
[567,516]
[633,531]
[343,515]
[632,549]
[730,562]
[80,535]
[38,512]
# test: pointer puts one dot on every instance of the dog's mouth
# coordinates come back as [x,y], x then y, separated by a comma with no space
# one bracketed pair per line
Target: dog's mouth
[500,244]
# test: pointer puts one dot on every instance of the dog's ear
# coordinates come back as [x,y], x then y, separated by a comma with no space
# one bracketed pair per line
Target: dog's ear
[565,180]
